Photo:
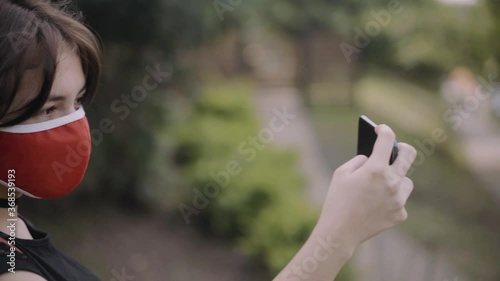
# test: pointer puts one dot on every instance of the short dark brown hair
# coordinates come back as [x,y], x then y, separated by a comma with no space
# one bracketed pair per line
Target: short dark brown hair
[32,33]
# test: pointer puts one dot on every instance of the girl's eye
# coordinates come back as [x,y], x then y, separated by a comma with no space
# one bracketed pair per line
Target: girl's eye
[79,100]
[78,103]
[47,111]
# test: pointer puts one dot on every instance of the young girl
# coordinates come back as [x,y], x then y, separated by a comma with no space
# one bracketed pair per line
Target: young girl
[49,68]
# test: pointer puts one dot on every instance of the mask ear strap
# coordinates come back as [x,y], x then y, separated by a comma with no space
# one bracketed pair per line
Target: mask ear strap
[6,203]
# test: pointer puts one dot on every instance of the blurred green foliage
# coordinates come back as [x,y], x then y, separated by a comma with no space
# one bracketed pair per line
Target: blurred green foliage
[426,38]
[441,36]
[494,8]
[263,207]
[137,35]
[154,24]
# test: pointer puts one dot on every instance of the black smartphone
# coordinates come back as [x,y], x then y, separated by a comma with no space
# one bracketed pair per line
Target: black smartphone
[367,137]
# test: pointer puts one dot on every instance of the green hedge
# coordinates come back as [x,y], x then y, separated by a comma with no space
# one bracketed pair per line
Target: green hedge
[262,209]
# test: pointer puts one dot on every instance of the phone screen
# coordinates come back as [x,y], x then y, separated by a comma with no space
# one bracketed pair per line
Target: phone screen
[367,137]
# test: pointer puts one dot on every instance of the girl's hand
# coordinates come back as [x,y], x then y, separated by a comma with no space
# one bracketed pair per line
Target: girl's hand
[367,195]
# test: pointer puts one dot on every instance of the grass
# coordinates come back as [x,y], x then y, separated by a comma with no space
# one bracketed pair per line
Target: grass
[449,210]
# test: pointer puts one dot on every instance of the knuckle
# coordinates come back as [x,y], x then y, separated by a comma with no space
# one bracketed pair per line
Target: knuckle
[407,184]
[412,152]
[392,178]
[378,171]
[392,187]
[400,203]
[410,184]
[401,216]
[392,181]
[386,131]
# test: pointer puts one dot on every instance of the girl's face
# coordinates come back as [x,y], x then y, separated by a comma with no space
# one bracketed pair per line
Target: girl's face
[67,90]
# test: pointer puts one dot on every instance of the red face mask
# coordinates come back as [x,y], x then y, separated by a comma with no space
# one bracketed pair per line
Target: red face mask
[47,159]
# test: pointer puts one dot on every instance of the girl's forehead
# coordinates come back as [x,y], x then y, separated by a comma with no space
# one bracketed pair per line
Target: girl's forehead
[69,77]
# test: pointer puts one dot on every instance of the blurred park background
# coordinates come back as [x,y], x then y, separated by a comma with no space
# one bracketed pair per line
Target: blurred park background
[190,180]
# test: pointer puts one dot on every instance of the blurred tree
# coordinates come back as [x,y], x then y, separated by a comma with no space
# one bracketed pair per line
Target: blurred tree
[139,37]
[426,38]
[494,8]
[300,20]
[441,37]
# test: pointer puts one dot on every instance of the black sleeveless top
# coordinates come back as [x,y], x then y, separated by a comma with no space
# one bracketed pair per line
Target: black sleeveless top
[40,257]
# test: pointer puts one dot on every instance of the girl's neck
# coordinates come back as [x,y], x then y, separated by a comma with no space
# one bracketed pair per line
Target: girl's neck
[9,219]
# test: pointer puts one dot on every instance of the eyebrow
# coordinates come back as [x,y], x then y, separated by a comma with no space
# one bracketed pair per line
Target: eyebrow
[62,97]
